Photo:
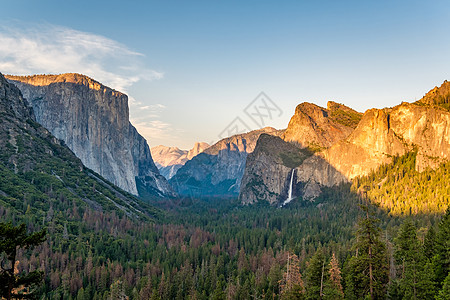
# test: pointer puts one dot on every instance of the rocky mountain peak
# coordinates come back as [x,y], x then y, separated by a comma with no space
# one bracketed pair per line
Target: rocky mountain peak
[343,115]
[198,148]
[218,170]
[244,142]
[170,159]
[316,127]
[438,96]
[372,139]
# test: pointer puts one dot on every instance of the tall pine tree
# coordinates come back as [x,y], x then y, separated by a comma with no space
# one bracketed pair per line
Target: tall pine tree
[333,288]
[367,271]
[442,258]
[413,278]
[316,275]
[291,286]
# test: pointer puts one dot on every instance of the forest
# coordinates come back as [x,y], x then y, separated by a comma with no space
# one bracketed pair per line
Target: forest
[365,240]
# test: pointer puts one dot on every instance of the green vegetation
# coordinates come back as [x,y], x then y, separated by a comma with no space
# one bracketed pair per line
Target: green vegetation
[15,285]
[294,159]
[367,270]
[401,190]
[346,117]
[211,249]
[104,243]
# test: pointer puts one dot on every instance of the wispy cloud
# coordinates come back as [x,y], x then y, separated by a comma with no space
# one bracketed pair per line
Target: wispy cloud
[156,129]
[35,49]
[55,49]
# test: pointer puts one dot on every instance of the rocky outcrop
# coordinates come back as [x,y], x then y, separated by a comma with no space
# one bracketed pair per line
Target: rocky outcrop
[438,96]
[268,170]
[310,130]
[218,170]
[93,121]
[317,128]
[423,126]
[169,159]
[382,134]
[372,143]
[427,129]
[12,103]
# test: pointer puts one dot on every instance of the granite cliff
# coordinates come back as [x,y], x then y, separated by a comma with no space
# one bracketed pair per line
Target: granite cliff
[311,129]
[354,151]
[218,170]
[39,172]
[169,159]
[316,127]
[268,169]
[93,121]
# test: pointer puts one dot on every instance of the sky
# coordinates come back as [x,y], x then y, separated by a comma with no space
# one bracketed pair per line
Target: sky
[201,70]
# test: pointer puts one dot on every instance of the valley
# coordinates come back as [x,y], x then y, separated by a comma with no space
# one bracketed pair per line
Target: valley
[232,218]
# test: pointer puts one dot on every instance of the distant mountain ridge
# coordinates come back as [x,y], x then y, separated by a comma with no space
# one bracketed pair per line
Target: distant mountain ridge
[93,121]
[217,171]
[169,159]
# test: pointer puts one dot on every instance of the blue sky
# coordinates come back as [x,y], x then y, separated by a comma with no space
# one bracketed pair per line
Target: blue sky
[191,67]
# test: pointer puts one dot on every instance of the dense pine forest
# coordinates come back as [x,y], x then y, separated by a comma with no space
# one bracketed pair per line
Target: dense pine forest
[344,245]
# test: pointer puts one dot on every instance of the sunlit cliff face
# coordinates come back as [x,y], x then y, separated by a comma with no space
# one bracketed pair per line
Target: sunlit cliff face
[44,80]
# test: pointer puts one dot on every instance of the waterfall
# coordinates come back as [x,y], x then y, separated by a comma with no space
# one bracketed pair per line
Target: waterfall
[289,199]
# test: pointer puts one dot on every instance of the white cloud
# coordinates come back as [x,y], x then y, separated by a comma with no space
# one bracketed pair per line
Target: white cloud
[153,129]
[53,49]
[36,49]
[154,107]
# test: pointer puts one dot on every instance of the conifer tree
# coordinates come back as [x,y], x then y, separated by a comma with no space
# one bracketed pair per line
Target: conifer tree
[367,271]
[444,293]
[14,285]
[442,259]
[117,291]
[334,287]
[413,281]
[429,244]
[316,275]
[292,286]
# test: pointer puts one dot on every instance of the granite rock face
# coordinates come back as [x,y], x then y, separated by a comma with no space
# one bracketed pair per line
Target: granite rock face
[170,159]
[33,160]
[93,121]
[311,129]
[380,134]
[372,143]
[218,170]
[317,127]
[269,168]
[438,96]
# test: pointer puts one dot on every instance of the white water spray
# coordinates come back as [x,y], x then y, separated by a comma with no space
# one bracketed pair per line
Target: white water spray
[289,199]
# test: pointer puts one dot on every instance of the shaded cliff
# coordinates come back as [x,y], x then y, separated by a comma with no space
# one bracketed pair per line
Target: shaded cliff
[268,169]
[93,121]
[170,159]
[218,170]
